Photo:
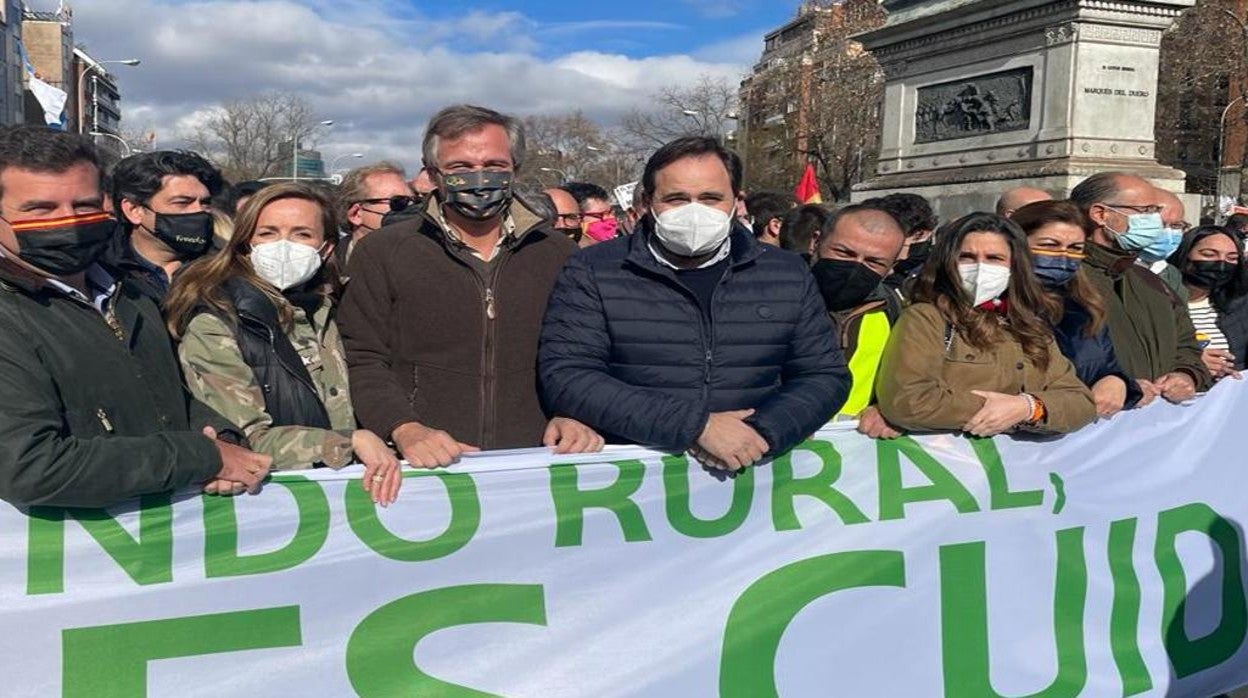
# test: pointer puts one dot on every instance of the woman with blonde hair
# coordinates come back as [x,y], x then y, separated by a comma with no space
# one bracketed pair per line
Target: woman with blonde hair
[974,352]
[258,341]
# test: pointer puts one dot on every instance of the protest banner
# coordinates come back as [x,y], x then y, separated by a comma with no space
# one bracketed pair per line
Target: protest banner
[1106,563]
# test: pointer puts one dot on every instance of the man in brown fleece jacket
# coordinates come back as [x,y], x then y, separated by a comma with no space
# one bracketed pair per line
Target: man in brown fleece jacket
[442,317]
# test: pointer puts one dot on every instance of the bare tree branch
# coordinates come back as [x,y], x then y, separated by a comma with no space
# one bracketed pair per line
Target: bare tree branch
[707,108]
[573,146]
[820,105]
[1202,57]
[251,138]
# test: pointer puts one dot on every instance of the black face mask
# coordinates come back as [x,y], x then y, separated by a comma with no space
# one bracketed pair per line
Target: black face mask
[63,246]
[574,234]
[844,284]
[477,195]
[917,256]
[187,234]
[1209,275]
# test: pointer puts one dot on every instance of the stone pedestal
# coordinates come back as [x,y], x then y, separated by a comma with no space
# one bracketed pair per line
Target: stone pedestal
[985,95]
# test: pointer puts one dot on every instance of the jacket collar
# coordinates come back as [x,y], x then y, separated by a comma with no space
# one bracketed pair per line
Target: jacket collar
[1114,262]
[744,248]
[19,277]
[528,223]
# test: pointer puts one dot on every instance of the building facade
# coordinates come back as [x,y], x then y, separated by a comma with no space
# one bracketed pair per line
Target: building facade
[12,100]
[49,41]
[99,99]
[1200,116]
[813,96]
[310,165]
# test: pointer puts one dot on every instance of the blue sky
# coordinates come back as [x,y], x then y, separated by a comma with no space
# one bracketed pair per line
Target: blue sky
[640,27]
[380,68]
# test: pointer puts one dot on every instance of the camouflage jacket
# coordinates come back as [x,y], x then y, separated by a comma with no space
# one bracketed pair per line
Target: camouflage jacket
[217,374]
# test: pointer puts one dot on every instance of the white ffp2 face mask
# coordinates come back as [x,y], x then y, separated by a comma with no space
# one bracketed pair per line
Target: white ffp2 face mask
[984,282]
[693,229]
[285,264]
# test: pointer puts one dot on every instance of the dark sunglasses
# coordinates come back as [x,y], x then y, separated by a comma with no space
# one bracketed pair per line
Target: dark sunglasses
[397,203]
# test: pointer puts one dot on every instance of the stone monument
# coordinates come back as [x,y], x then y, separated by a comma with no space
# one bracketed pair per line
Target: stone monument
[984,95]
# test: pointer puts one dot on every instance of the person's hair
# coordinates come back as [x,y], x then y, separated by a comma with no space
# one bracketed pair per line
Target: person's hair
[802,225]
[764,206]
[1219,298]
[1097,189]
[1028,308]
[354,185]
[455,121]
[138,177]
[544,206]
[849,210]
[690,147]
[222,230]
[912,212]
[41,149]
[199,285]
[583,191]
[227,201]
[250,187]
[1081,290]
[1237,222]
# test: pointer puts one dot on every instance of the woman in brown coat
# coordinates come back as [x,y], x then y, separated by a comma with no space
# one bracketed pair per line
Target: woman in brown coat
[973,352]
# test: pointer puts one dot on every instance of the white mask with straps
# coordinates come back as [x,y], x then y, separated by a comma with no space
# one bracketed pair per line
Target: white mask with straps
[693,229]
[984,282]
[285,264]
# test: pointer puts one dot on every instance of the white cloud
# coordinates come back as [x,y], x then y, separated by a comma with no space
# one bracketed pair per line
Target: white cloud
[740,50]
[717,8]
[379,69]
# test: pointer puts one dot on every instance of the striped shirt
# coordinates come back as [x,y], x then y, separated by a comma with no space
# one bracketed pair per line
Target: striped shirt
[1205,319]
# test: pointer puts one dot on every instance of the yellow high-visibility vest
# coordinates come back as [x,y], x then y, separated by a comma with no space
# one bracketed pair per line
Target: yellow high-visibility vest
[873,334]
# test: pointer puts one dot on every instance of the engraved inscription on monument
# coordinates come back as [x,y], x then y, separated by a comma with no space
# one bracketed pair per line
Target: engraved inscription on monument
[991,103]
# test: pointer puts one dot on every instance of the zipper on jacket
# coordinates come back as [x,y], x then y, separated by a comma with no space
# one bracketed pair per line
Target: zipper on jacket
[708,322]
[411,398]
[104,420]
[487,284]
[109,314]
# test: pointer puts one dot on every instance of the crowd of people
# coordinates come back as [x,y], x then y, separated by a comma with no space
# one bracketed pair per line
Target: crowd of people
[162,328]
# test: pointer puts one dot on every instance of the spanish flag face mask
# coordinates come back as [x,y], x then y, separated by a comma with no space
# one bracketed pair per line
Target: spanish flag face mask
[63,246]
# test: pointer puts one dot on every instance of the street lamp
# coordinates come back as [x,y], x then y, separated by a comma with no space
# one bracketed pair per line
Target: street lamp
[333,164]
[563,176]
[294,149]
[119,139]
[1217,161]
[618,171]
[95,65]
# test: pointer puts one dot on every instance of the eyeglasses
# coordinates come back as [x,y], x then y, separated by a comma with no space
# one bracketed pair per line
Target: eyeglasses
[573,218]
[400,202]
[600,215]
[1138,209]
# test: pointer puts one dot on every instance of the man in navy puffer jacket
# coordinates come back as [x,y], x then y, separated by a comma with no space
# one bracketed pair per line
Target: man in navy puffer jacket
[689,335]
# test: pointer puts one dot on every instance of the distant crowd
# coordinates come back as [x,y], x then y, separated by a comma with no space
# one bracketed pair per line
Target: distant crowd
[161,328]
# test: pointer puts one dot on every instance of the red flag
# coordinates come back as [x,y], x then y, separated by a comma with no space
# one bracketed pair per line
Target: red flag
[807,191]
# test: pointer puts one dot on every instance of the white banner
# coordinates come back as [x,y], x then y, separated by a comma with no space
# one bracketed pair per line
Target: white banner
[1108,563]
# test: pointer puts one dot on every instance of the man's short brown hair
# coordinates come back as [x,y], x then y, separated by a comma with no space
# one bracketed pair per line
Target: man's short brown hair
[41,149]
[354,187]
[453,122]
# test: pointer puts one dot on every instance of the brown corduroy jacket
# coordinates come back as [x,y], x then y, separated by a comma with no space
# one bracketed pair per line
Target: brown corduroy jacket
[1148,324]
[435,336]
[927,375]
